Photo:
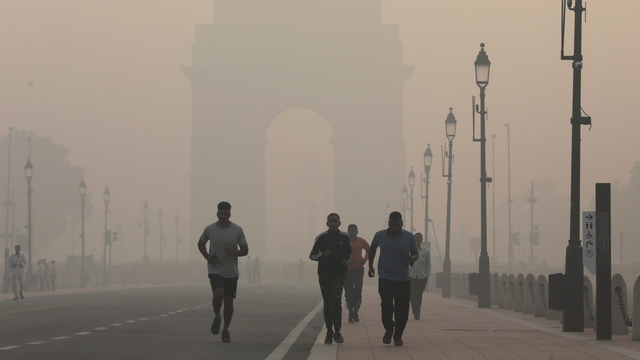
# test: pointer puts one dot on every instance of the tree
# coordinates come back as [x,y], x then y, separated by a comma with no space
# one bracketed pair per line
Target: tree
[55,200]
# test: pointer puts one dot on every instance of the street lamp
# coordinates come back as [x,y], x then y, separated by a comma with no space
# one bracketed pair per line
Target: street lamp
[177,222]
[105,196]
[160,216]
[83,192]
[405,198]
[412,183]
[509,200]
[427,158]
[28,173]
[145,210]
[493,193]
[482,67]
[450,127]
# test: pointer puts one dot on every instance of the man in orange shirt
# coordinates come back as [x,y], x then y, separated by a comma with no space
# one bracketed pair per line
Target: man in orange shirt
[355,273]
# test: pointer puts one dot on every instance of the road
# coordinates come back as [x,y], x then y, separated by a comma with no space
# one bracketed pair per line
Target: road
[271,321]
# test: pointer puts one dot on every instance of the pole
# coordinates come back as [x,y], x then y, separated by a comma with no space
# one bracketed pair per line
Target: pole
[82,266]
[603,262]
[5,282]
[484,276]
[493,193]
[511,245]
[574,272]
[29,267]
[412,229]
[532,200]
[146,231]
[104,258]
[446,286]
[427,170]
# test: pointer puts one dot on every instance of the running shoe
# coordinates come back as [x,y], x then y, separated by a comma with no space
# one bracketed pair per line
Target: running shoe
[226,336]
[338,339]
[328,339]
[215,327]
[386,339]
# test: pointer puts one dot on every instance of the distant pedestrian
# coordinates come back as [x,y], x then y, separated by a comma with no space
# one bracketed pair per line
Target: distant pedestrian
[397,252]
[41,275]
[257,266]
[45,274]
[53,273]
[248,268]
[332,250]
[300,271]
[17,263]
[355,273]
[419,276]
[227,243]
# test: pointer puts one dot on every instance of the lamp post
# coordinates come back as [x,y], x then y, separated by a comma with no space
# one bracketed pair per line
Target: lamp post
[83,192]
[145,210]
[160,216]
[412,183]
[105,196]
[493,194]
[573,313]
[28,173]
[428,159]
[532,234]
[177,222]
[509,200]
[405,199]
[482,67]
[450,127]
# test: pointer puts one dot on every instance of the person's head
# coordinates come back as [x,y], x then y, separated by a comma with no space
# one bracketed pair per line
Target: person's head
[18,248]
[352,230]
[224,211]
[395,222]
[333,222]
[419,239]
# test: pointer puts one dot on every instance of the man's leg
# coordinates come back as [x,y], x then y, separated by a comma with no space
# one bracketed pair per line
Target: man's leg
[326,290]
[20,284]
[14,284]
[357,298]
[401,296]
[385,290]
[336,296]
[348,293]
[228,311]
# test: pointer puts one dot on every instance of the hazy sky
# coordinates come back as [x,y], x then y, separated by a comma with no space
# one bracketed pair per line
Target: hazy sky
[103,78]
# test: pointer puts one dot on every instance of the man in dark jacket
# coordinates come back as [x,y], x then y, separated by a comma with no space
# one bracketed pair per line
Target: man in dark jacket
[332,250]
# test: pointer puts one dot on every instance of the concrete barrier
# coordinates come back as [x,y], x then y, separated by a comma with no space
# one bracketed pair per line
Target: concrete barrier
[495,285]
[502,290]
[529,300]
[518,293]
[619,303]
[510,301]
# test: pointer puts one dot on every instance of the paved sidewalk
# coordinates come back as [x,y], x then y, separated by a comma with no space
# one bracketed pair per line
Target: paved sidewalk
[457,329]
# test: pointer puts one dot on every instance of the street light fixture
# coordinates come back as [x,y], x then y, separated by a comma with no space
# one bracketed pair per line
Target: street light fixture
[106,196]
[412,183]
[450,127]
[83,192]
[428,159]
[28,173]
[482,67]
[145,210]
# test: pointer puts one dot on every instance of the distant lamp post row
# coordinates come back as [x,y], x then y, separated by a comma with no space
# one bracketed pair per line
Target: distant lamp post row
[482,68]
[450,129]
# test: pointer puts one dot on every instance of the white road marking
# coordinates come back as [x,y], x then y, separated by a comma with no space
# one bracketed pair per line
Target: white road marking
[101,328]
[284,346]
[60,338]
[130,321]
[9,347]
[142,319]
[115,324]
[84,333]
[36,343]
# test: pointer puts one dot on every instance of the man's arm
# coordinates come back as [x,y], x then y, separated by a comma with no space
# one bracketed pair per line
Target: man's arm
[414,256]
[316,254]
[202,246]
[366,247]
[372,256]
[244,250]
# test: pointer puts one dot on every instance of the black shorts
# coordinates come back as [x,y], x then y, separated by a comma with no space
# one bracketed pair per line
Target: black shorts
[230,285]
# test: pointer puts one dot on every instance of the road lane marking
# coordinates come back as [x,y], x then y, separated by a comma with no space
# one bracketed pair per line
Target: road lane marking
[60,338]
[115,324]
[84,333]
[142,319]
[101,328]
[36,343]
[9,347]
[130,321]
[284,346]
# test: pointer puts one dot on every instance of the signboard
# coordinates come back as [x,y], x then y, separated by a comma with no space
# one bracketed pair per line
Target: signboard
[589,240]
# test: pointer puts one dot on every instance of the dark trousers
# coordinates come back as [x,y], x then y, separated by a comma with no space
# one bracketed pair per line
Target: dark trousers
[395,305]
[417,288]
[353,290]
[331,289]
